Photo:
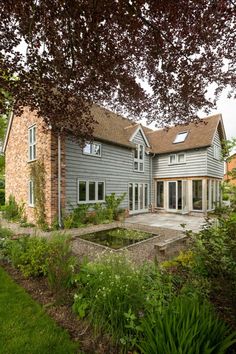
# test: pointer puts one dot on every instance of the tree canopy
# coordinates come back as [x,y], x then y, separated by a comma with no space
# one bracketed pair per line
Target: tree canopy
[80,52]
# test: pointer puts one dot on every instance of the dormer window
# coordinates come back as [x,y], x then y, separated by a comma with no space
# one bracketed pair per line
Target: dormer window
[139,158]
[180,137]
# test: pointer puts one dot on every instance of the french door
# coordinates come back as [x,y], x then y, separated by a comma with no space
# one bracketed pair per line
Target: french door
[138,197]
[177,196]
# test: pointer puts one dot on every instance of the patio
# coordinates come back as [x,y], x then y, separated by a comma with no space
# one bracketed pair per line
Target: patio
[168,221]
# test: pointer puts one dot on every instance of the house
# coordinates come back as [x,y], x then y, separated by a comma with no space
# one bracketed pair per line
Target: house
[230,167]
[177,170]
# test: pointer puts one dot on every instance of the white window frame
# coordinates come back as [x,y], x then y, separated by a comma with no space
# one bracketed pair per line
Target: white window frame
[31,196]
[180,137]
[32,143]
[176,160]
[92,149]
[145,207]
[138,160]
[216,152]
[87,201]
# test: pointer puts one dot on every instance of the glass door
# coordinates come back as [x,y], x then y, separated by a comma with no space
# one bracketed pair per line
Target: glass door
[160,194]
[138,197]
[172,195]
[184,197]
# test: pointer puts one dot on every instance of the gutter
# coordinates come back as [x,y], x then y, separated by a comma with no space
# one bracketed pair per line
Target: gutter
[59,181]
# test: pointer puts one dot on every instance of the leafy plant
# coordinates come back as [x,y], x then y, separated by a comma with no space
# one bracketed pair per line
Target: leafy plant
[184,259]
[187,325]
[111,288]
[37,173]
[12,210]
[215,247]
[2,196]
[113,202]
[5,235]
[60,264]
[29,254]
[78,217]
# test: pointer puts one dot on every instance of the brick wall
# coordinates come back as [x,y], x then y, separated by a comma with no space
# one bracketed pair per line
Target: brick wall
[18,168]
[229,167]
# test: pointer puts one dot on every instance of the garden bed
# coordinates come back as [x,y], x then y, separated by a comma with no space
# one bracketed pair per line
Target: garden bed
[62,314]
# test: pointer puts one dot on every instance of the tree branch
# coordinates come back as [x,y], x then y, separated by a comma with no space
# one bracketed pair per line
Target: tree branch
[149,24]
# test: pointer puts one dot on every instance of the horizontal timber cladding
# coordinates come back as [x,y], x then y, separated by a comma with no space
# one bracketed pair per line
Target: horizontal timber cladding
[215,167]
[195,165]
[115,167]
[185,178]
[138,139]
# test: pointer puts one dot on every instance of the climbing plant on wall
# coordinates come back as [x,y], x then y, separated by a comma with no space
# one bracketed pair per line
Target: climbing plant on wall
[37,174]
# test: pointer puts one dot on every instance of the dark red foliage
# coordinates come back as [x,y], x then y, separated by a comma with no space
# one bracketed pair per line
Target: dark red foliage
[81,52]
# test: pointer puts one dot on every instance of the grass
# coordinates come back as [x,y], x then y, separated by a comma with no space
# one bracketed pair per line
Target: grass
[24,327]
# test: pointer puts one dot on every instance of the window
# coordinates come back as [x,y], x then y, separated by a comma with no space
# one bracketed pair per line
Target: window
[180,137]
[177,158]
[92,149]
[139,158]
[216,152]
[172,159]
[181,158]
[91,191]
[31,200]
[32,143]
[197,195]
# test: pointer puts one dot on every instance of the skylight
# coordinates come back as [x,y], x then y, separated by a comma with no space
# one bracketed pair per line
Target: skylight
[180,137]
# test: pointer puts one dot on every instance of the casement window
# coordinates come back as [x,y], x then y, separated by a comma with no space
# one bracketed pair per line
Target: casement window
[91,191]
[32,143]
[177,158]
[31,197]
[180,137]
[139,158]
[216,152]
[93,149]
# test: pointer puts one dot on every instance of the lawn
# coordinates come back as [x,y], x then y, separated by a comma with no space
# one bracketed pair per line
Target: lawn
[25,327]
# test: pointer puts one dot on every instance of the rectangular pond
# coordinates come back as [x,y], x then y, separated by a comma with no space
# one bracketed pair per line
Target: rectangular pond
[117,237]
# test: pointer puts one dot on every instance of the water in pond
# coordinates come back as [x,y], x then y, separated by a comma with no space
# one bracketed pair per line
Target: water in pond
[117,237]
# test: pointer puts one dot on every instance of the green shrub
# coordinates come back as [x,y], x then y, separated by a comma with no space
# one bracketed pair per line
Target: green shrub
[29,254]
[188,326]
[113,295]
[215,248]
[113,202]
[60,264]
[2,196]
[77,218]
[12,210]
[5,235]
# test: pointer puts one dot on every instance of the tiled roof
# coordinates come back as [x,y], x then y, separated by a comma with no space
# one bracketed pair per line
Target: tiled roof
[118,130]
[199,135]
[113,128]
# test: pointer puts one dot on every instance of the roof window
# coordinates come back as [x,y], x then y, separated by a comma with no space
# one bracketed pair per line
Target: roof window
[180,137]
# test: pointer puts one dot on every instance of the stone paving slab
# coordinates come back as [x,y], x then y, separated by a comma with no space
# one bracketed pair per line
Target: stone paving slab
[168,221]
